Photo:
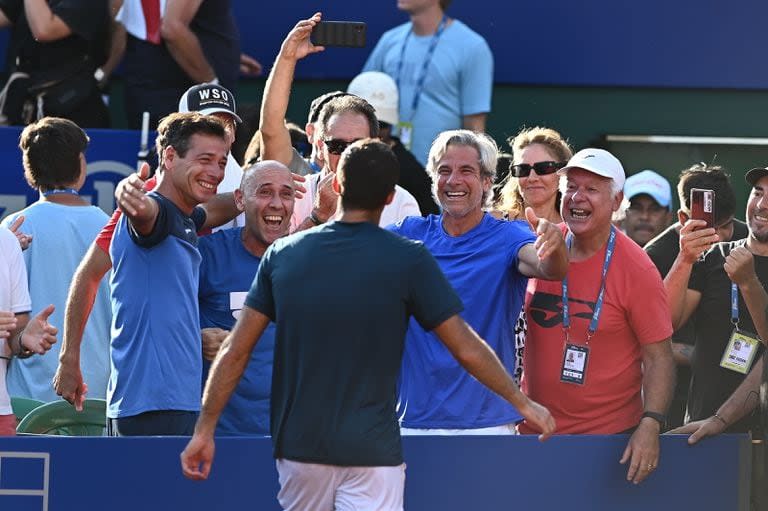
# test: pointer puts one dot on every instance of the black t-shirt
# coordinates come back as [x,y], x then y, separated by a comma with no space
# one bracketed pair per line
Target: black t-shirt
[711,384]
[89,21]
[415,179]
[341,296]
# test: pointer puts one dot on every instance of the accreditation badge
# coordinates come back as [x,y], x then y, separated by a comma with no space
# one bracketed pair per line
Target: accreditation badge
[574,368]
[740,352]
[406,133]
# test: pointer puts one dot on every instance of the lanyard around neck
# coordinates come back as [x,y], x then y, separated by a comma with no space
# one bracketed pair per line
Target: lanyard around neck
[600,296]
[424,66]
[62,191]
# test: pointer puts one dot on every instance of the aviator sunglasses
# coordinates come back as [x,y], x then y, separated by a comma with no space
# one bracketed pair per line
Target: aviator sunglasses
[542,168]
[336,145]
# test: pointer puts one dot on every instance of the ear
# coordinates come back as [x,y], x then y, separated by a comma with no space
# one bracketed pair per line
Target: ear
[309,129]
[239,200]
[390,198]
[682,217]
[169,155]
[335,184]
[617,201]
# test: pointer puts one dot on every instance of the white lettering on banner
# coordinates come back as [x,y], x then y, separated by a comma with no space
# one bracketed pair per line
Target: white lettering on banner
[236,302]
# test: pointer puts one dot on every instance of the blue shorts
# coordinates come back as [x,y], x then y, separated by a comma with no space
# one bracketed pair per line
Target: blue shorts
[154,423]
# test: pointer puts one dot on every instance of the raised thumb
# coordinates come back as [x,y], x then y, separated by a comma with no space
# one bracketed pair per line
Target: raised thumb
[533,220]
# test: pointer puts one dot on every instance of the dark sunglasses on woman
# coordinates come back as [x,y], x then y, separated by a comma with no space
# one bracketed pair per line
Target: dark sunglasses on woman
[542,168]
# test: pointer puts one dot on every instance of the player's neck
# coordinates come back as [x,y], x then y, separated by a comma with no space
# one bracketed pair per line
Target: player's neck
[585,245]
[757,247]
[357,216]
[458,225]
[426,22]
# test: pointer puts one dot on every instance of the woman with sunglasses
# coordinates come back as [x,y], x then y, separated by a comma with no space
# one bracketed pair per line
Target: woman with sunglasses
[538,153]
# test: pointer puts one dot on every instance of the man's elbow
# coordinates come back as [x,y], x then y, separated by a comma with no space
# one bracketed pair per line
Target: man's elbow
[171,30]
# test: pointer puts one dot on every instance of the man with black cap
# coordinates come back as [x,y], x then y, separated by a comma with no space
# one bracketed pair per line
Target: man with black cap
[724,293]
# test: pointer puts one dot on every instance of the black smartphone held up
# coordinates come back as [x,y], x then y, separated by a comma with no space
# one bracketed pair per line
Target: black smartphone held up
[703,205]
[339,33]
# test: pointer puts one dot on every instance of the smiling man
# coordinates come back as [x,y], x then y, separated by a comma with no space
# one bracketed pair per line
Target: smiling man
[488,262]
[230,260]
[154,387]
[615,324]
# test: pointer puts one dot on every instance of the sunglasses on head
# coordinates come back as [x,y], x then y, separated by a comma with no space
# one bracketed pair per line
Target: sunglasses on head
[542,168]
[336,145]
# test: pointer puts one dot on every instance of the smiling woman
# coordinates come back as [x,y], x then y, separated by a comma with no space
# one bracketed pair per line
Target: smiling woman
[538,153]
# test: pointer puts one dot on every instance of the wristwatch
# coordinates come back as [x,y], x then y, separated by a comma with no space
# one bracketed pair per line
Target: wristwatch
[658,417]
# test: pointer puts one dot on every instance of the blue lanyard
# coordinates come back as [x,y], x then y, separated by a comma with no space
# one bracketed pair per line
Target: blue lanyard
[314,166]
[425,65]
[735,305]
[600,296]
[67,191]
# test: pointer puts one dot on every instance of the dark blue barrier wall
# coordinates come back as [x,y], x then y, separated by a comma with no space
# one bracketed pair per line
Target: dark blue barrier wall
[653,43]
[111,155]
[443,473]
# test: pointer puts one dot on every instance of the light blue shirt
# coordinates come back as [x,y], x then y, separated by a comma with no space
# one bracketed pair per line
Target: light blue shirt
[61,237]
[458,82]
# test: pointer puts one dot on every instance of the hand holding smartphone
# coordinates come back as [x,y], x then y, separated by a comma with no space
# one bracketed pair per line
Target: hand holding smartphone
[349,34]
[703,205]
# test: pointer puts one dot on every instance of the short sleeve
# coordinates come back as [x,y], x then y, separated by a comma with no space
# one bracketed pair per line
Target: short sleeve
[432,299]
[198,217]
[477,80]
[260,295]
[17,271]
[375,60]
[161,229]
[86,18]
[104,238]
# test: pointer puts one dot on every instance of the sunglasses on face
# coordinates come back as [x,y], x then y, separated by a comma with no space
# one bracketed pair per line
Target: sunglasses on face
[336,145]
[542,168]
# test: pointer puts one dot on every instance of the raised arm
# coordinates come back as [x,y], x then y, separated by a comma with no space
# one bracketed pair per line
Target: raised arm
[276,140]
[694,241]
[740,267]
[474,354]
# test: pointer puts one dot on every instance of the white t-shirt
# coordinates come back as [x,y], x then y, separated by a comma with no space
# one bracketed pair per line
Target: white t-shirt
[233,174]
[14,297]
[403,205]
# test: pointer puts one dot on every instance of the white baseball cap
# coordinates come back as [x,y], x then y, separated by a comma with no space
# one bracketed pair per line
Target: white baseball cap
[650,183]
[209,98]
[597,161]
[380,90]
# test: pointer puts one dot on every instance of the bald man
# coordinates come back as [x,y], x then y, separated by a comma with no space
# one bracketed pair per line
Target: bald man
[230,260]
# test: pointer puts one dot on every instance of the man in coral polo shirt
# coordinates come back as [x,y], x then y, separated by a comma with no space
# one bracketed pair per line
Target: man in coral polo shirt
[603,364]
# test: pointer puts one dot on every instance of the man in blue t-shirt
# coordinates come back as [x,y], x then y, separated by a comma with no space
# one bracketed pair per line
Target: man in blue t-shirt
[341,295]
[230,260]
[488,262]
[155,354]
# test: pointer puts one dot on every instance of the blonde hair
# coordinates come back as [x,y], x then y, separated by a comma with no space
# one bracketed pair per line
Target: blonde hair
[510,198]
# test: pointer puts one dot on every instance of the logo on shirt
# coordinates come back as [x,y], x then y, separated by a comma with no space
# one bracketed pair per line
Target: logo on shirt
[547,309]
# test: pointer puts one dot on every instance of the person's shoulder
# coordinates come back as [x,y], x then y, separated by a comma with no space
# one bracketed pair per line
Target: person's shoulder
[219,238]
[668,236]
[633,256]
[395,33]
[463,32]
[413,226]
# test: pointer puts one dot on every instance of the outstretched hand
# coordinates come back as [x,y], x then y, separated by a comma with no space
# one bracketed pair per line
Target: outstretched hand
[39,335]
[548,236]
[130,193]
